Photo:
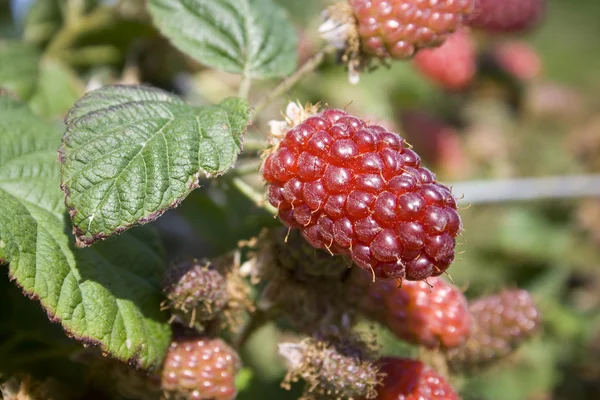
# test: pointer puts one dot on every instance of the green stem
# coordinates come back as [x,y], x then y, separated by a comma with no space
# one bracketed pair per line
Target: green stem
[257,321]
[245,85]
[309,66]
[254,145]
[69,34]
[91,55]
[252,194]
[247,168]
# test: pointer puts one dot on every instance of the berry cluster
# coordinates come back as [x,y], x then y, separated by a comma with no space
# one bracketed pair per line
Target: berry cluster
[356,189]
[433,314]
[399,28]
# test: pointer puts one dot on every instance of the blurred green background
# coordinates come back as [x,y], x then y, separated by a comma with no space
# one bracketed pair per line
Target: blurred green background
[497,128]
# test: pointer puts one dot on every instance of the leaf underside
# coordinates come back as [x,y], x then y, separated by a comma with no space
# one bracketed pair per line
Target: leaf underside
[130,153]
[249,37]
[108,295]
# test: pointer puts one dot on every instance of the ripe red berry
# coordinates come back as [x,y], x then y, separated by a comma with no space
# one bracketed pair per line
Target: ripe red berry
[507,15]
[501,323]
[200,369]
[355,189]
[452,65]
[433,313]
[399,28]
[412,380]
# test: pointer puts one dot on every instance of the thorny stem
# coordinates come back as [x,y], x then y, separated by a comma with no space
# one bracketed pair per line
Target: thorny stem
[519,189]
[68,35]
[309,66]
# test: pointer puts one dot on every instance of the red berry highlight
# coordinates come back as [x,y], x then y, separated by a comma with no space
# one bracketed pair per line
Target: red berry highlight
[452,65]
[412,380]
[433,314]
[355,189]
[399,28]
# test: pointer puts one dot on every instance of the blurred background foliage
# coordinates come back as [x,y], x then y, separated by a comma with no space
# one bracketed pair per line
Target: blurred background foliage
[496,128]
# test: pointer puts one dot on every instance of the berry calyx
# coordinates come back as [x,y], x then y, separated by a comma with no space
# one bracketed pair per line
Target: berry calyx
[200,369]
[501,323]
[195,290]
[356,189]
[504,16]
[407,379]
[339,369]
[433,314]
[452,65]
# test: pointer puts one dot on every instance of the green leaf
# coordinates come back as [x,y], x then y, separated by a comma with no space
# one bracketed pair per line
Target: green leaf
[130,153]
[250,37]
[109,295]
[19,67]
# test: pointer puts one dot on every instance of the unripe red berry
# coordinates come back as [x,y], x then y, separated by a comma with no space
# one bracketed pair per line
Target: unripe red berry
[200,369]
[412,380]
[399,28]
[355,189]
[433,314]
[501,323]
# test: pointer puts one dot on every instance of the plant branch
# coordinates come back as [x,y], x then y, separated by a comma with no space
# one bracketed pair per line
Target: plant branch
[309,66]
[257,320]
[69,34]
[520,189]
[253,195]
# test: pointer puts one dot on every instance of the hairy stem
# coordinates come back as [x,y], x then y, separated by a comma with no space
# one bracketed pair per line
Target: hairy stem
[252,194]
[245,85]
[309,66]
